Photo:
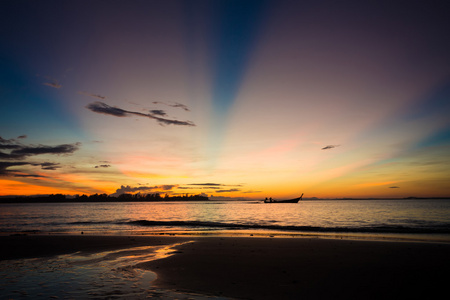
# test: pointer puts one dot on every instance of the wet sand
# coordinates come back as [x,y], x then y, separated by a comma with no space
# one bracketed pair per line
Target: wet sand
[271,268]
[31,246]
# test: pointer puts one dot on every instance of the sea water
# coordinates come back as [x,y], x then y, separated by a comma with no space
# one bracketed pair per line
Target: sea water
[116,275]
[422,219]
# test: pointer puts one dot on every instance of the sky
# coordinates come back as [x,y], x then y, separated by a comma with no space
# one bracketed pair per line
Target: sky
[230,99]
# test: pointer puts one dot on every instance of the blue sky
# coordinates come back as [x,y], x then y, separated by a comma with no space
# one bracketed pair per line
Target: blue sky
[226,98]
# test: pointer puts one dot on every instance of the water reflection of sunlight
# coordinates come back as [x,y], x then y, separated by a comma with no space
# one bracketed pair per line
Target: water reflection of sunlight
[104,275]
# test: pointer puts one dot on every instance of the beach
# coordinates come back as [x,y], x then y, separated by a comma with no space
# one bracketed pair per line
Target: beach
[267,268]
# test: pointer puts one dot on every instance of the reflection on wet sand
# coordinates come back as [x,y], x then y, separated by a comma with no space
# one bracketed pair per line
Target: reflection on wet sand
[103,275]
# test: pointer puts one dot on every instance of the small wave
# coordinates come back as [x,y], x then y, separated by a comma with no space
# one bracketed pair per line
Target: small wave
[445,228]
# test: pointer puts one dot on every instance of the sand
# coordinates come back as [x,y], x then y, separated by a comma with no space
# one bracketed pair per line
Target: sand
[271,268]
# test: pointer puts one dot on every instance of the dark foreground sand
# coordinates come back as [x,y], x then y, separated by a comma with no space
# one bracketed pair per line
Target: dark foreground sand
[272,268]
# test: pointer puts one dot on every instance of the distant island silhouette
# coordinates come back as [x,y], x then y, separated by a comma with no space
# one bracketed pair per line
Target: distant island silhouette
[60,198]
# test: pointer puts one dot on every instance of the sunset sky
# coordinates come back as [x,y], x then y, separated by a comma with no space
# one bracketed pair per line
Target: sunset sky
[229,98]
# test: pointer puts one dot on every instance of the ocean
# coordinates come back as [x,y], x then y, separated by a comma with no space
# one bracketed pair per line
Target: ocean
[412,219]
[116,274]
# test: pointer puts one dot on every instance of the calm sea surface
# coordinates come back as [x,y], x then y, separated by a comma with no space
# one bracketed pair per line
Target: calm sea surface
[425,219]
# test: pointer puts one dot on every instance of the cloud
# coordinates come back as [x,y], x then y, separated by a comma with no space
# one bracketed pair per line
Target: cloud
[29,176]
[24,136]
[48,165]
[394,187]
[4,165]
[128,189]
[102,166]
[103,108]
[21,152]
[207,184]
[92,95]
[53,84]
[228,191]
[42,149]
[330,147]
[210,185]
[14,152]
[175,104]
[9,144]
[158,112]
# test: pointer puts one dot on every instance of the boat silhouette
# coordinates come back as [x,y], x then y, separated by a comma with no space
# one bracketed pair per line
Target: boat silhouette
[295,200]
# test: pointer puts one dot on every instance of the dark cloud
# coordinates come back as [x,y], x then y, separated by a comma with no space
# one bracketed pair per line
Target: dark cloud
[158,112]
[42,149]
[9,144]
[2,140]
[48,165]
[330,147]
[103,108]
[102,166]
[29,176]
[175,104]
[228,191]
[128,189]
[92,95]
[207,184]
[18,152]
[22,136]
[10,156]
[4,165]
[394,187]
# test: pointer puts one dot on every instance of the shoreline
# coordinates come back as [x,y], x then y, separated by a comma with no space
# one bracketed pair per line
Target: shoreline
[261,268]
[267,268]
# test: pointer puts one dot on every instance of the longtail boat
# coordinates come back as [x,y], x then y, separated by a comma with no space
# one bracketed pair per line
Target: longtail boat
[283,201]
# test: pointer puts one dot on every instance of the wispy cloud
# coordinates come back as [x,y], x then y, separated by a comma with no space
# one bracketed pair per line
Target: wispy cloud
[158,112]
[228,191]
[330,147]
[218,187]
[102,166]
[53,84]
[29,176]
[14,152]
[48,165]
[21,152]
[207,184]
[174,104]
[92,95]
[4,165]
[394,187]
[103,108]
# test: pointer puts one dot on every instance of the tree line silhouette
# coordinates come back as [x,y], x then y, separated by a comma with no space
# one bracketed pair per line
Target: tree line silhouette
[58,198]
